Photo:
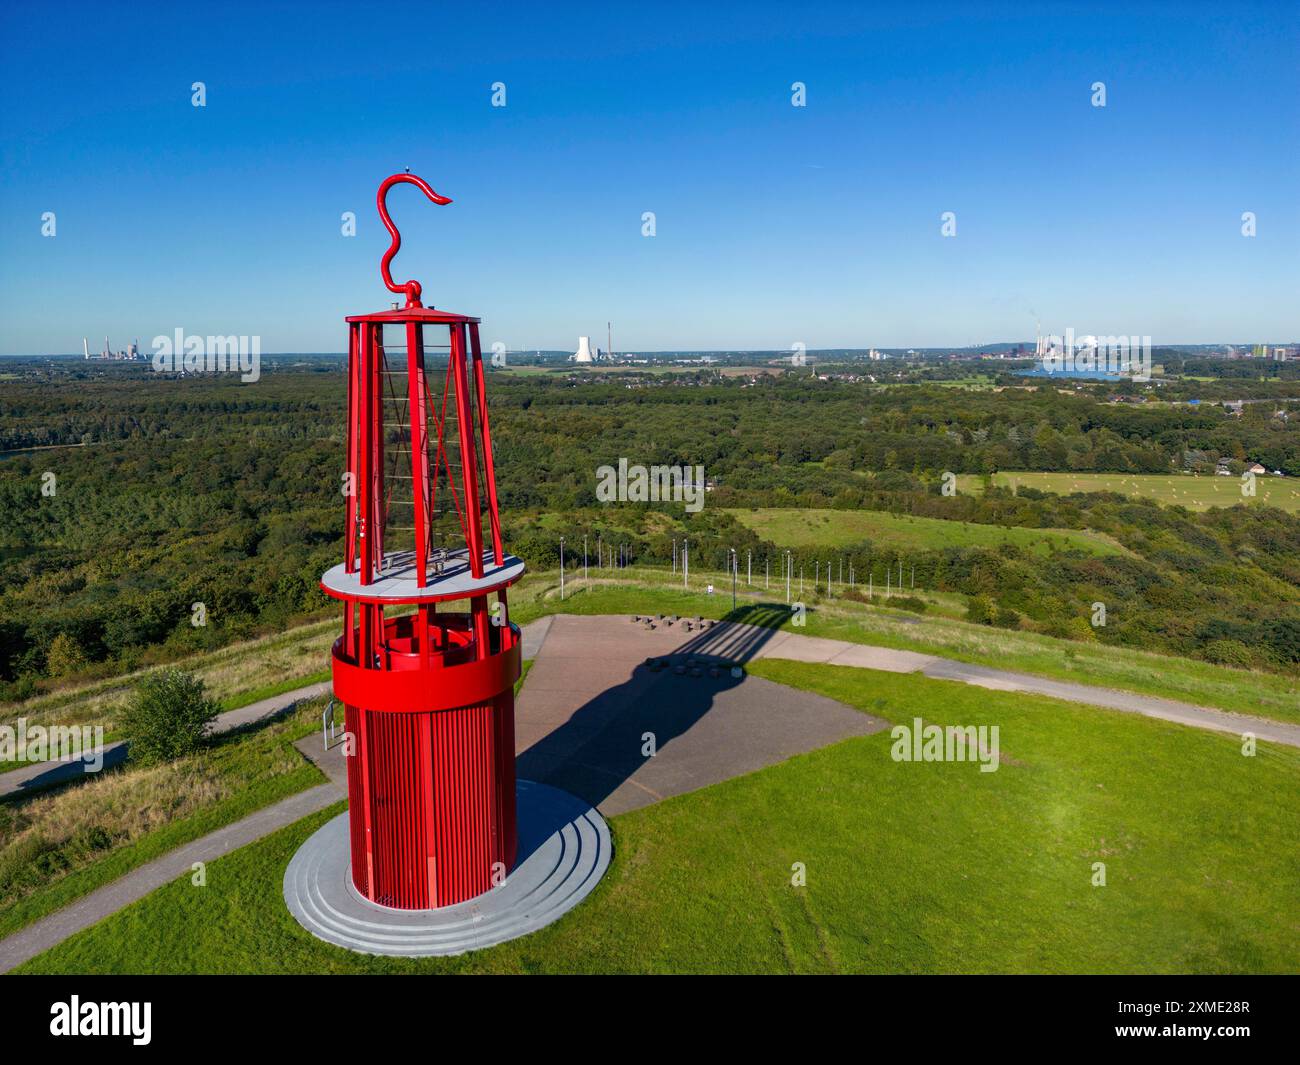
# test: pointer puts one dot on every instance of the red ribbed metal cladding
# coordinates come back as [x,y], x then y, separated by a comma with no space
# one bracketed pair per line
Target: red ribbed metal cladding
[356,825]
[443,844]
[464,823]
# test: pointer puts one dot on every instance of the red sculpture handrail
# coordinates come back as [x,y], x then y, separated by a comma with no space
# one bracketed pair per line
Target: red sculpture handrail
[411,288]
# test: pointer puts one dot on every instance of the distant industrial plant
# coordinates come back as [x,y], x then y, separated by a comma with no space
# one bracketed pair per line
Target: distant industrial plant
[131,354]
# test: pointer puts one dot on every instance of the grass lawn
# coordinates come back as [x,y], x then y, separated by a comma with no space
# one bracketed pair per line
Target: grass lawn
[236,675]
[801,528]
[911,867]
[269,691]
[139,814]
[1184,490]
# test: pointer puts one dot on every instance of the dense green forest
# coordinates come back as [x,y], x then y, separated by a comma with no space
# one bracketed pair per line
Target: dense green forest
[205,490]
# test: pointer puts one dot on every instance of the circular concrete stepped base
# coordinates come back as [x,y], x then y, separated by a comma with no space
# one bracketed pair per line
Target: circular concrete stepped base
[564,850]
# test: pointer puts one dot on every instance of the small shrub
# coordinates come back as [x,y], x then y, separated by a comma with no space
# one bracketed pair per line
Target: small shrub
[19,862]
[64,656]
[539,549]
[90,838]
[1069,628]
[1081,629]
[1284,636]
[1228,653]
[1006,618]
[16,691]
[979,609]
[1057,627]
[168,717]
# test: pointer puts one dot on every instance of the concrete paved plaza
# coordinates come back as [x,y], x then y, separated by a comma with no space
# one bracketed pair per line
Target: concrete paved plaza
[590,699]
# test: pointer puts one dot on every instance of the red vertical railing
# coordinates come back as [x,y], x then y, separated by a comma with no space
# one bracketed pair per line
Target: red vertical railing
[375,370]
[469,467]
[489,466]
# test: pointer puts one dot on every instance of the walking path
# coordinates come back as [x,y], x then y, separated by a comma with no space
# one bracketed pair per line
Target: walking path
[42,775]
[86,911]
[841,653]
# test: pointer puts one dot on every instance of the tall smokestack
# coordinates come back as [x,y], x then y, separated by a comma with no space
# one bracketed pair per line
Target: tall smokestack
[85,347]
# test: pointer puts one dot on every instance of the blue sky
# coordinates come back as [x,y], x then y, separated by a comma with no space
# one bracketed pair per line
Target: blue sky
[775,224]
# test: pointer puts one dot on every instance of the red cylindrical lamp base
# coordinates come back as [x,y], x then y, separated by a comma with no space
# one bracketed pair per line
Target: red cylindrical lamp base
[433,803]
[431,761]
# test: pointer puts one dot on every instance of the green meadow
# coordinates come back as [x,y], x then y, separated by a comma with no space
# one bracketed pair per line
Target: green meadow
[922,867]
[1195,492]
[801,528]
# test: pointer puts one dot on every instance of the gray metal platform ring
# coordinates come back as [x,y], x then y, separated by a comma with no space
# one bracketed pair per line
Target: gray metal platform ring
[564,850]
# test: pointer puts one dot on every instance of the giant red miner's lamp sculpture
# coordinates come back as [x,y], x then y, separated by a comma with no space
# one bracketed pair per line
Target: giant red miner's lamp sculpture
[425,665]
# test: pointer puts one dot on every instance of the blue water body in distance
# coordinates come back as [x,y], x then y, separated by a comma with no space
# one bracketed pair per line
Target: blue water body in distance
[1085,375]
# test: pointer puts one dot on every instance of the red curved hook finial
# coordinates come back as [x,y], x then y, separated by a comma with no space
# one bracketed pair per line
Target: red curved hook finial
[411,288]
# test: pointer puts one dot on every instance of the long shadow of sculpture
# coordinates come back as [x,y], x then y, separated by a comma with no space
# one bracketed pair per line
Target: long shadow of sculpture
[606,740]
